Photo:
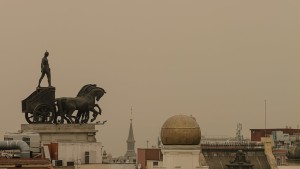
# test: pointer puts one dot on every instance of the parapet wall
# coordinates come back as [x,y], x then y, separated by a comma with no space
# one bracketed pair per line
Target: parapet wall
[268,151]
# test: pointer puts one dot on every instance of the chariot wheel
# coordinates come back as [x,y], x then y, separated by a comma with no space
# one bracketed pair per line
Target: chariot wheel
[43,113]
[29,117]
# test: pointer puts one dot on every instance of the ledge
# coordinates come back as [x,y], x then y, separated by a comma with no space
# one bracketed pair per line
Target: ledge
[58,128]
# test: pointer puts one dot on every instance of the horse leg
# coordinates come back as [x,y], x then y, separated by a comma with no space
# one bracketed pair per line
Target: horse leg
[79,116]
[100,111]
[95,114]
[86,117]
[69,116]
[60,111]
[62,117]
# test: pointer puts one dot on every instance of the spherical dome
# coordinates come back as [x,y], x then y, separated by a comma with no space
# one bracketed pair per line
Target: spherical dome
[180,130]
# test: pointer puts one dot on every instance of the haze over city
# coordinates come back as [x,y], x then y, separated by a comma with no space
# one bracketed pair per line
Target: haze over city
[215,60]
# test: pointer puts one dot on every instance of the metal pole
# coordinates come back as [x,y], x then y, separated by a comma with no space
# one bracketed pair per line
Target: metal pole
[265,118]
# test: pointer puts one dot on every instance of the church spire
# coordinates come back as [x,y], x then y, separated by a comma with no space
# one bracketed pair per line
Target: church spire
[130,154]
[131,115]
[130,135]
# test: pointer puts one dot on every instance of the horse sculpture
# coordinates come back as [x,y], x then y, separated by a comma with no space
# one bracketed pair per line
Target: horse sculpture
[84,102]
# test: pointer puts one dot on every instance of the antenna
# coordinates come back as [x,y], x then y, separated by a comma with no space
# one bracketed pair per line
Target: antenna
[131,114]
[265,117]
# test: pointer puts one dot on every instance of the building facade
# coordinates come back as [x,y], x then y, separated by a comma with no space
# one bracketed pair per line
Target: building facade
[148,157]
[67,144]
[257,134]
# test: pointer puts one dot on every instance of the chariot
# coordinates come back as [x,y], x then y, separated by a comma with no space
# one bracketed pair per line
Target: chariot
[39,107]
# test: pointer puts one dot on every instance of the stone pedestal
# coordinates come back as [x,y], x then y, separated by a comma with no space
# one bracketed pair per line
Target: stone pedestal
[62,132]
[183,157]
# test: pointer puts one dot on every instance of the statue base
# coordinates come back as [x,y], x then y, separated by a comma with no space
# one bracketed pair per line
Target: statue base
[183,156]
[62,132]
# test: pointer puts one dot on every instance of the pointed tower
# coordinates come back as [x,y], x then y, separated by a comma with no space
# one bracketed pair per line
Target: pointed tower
[130,154]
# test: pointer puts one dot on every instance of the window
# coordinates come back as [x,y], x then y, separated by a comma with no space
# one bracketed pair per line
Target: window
[27,140]
[155,163]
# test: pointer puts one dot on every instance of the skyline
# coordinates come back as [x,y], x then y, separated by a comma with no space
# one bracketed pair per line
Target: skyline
[218,61]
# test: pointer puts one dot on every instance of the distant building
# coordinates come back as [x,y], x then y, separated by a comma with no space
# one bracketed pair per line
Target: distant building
[130,154]
[283,139]
[257,134]
[149,158]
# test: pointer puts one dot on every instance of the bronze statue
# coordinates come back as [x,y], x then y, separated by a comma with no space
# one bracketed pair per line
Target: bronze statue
[42,107]
[240,161]
[45,69]
[84,102]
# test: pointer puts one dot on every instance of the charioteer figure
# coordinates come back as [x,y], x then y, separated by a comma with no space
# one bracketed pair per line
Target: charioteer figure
[45,69]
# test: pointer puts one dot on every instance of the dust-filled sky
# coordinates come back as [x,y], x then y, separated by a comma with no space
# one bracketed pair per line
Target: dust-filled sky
[216,60]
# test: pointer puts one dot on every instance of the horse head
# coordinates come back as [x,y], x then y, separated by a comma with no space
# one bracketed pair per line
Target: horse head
[91,90]
[99,92]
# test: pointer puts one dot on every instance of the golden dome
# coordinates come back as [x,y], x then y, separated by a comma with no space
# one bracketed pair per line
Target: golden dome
[180,130]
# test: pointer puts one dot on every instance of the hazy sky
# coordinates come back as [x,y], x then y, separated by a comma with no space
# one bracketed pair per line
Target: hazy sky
[215,60]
